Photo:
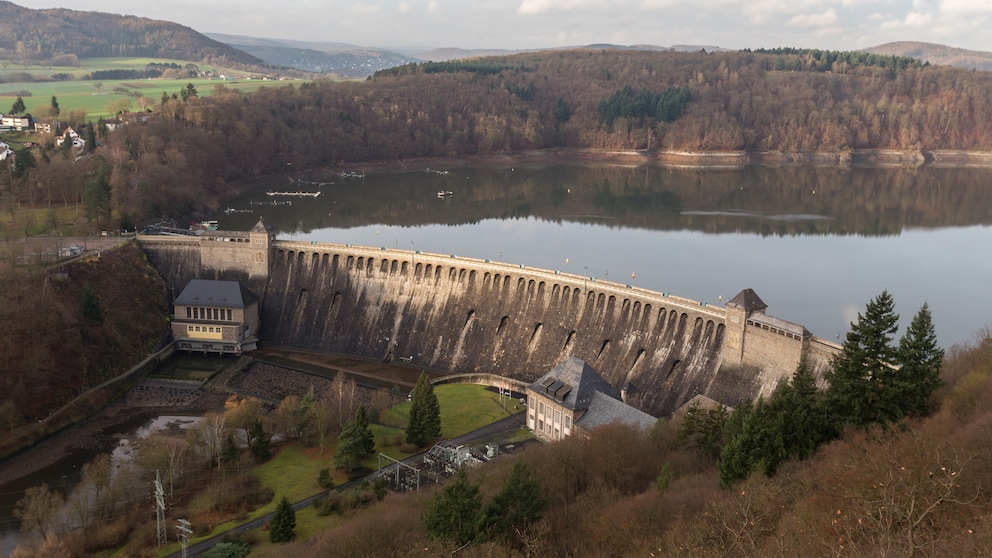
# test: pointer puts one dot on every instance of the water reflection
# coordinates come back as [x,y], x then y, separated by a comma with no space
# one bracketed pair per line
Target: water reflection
[815,243]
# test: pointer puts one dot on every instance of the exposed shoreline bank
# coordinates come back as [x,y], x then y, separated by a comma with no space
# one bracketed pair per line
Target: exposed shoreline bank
[701,159]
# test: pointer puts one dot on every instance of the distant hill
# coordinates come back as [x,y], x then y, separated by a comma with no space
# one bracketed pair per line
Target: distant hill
[940,55]
[337,58]
[44,35]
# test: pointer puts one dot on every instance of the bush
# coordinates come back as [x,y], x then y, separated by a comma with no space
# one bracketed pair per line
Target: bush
[324,479]
[228,550]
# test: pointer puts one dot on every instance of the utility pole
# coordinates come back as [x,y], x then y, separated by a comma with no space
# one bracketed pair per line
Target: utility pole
[160,509]
[184,533]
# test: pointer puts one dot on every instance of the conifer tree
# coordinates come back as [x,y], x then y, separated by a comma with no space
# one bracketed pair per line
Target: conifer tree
[356,442]
[425,414]
[517,506]
[283,525]
[921,360]
[259,443]
[863,384]
[454,514]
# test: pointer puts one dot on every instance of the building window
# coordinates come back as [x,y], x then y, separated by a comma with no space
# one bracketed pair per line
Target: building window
[196,313]
[540,425]
[557,417]
[568,422]
[540,408]
[229,315]
[189,312]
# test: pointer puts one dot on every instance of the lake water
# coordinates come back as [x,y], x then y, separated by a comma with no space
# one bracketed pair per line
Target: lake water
[815,243]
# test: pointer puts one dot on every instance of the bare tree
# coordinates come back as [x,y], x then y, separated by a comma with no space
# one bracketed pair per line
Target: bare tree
[38,510]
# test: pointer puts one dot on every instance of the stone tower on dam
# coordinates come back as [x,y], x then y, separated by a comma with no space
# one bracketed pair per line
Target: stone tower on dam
[467,315]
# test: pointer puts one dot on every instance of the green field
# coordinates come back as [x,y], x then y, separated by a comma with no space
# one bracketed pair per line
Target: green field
[103,98]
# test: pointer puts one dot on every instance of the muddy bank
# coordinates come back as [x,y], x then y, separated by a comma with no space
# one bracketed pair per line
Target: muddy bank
[145,400]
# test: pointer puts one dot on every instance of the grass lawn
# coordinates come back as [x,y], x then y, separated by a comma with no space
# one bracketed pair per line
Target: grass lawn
[464,408]
[101,98]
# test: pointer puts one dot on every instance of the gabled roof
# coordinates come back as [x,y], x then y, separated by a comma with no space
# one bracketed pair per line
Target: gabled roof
[261,226]
[748,301]
[604,410]
[575,383]
[215,293]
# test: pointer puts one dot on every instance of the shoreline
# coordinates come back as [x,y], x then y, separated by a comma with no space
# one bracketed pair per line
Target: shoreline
[700,159]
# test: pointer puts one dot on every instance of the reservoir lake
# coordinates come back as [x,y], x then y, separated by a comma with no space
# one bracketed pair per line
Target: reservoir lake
[815,243]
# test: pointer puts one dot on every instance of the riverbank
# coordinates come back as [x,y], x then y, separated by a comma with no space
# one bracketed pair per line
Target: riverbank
[96,433]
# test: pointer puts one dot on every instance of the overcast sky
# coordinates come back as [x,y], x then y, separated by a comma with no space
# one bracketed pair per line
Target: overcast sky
[523,24]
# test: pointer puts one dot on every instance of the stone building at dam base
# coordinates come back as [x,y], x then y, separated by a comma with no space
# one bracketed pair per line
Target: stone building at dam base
[464,315]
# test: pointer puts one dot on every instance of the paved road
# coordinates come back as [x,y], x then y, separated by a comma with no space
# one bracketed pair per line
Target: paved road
[503,425]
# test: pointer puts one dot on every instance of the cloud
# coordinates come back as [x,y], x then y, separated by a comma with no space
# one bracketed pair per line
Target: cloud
[827,18]
[538,7]
[360,8]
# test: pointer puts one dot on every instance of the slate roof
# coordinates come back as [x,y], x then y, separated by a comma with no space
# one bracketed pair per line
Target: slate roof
[604,410]
[596,399]
[748,300]
[261,226]
[583,380]
[215,293]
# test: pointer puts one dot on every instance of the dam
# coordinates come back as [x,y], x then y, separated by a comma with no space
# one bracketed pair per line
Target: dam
[463,315]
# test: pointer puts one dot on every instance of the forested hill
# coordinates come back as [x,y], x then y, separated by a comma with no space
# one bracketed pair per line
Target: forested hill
[590,100]
[44,35]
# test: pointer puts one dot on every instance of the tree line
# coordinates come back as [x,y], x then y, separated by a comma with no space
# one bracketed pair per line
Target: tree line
[872,381]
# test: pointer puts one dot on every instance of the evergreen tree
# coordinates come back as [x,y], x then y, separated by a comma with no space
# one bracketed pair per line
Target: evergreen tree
[517,506]
[89,305]
[754,442]
[90,138]
[365,428]
[703,429]
[229,452]
[921,360]
[55,107]
[800,404]
[96,196]
[862,381]
[454,514]
[561,111]
[304,417]
[188,92]
[425,414]
[23,162]
[18,107]
[283,525]
[259,443]
[356,442]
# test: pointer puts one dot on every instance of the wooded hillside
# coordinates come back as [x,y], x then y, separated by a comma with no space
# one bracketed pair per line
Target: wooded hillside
[43,35]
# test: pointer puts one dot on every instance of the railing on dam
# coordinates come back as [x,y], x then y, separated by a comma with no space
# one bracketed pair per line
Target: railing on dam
[588,283]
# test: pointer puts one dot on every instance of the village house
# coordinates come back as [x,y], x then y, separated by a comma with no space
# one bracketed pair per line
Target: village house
[574,398]
[15,123]
[70,135]
[215,317]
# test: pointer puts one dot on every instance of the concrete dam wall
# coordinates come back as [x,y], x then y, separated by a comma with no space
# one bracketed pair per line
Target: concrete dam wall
[464,315]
